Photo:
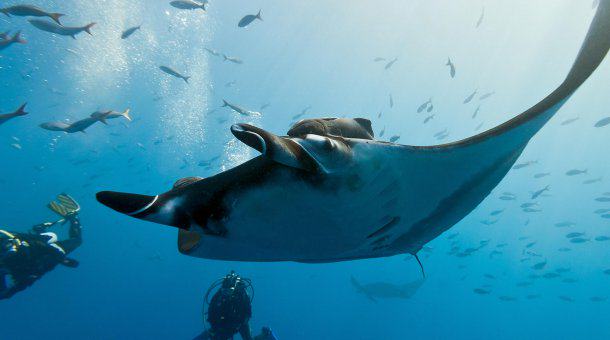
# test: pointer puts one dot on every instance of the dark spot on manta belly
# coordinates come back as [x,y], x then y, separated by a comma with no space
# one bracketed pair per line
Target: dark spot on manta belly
[354,182]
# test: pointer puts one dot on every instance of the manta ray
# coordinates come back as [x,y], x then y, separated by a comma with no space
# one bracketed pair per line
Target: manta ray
[328,191]
[387,290]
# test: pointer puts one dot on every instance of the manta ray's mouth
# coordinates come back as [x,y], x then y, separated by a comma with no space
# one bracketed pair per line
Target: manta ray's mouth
[280,149]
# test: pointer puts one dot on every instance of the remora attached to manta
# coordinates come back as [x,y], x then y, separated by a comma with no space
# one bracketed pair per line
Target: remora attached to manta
[327,193]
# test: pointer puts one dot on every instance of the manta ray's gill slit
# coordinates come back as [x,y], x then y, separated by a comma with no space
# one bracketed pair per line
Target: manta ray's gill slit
[381,240]
[389,225]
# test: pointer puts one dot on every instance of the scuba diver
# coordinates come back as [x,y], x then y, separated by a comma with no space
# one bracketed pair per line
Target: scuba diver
[26,257]
[230,309]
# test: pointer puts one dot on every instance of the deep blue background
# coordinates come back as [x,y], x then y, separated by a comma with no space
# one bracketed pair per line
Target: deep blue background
[133,284]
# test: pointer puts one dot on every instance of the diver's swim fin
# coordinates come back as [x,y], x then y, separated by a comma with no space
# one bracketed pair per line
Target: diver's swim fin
[66,206]
[68,202]
[58,208]
[68,262]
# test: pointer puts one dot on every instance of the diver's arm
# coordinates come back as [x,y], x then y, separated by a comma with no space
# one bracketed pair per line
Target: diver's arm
[75,235]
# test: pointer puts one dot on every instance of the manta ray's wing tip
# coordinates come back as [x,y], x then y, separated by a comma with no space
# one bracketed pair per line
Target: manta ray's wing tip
[125,203]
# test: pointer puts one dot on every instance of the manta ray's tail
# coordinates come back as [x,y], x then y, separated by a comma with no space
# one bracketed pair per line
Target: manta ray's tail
[519,130]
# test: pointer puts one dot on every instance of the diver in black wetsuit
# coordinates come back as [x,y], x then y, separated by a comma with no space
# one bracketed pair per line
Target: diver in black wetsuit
[26,257]
[230,310]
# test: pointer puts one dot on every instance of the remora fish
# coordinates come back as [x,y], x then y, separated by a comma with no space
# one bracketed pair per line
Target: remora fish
[239,109]
[103,115]
[188,4]
[30,11]
[78,126]
[321,198]
[52,27]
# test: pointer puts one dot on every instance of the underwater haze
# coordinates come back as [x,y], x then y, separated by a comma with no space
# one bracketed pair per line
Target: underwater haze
[532,261]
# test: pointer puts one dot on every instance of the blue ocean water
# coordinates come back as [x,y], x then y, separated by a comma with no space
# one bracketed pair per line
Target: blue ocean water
[316,59]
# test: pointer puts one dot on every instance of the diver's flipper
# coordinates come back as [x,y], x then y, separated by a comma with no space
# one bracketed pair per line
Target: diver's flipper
[68,202]
[58,209]
[68,262]
[66,206]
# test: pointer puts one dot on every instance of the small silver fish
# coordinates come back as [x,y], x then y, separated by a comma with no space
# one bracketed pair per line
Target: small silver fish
[476,112]
[486,95]
[575,172]
[234,60]
[569,121]
[470,97]
[537,194]
[481,17]
[248,19]
[564,224]
[174,73]
[128,32]
[574,234]
[539,266]
[603,122]
[451,68]
[212,52]
[390,63]
[524,165]
[423,106]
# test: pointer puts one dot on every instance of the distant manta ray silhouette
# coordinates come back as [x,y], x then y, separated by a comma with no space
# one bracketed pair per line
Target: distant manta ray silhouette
[329,192]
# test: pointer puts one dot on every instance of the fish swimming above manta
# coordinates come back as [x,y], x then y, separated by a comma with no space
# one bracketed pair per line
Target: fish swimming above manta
[327,191]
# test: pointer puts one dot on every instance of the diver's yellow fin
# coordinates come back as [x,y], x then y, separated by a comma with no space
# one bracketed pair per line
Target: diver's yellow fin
[66,206]
[68,203]
[58,209]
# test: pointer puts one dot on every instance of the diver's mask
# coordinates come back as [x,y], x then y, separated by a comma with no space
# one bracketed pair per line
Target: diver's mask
[9,244]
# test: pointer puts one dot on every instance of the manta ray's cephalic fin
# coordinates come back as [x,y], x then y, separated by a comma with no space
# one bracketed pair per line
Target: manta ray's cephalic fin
[281,150]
